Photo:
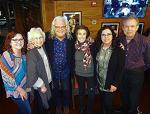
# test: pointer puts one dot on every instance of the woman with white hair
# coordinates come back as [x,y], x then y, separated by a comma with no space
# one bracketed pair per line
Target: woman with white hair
[38,70]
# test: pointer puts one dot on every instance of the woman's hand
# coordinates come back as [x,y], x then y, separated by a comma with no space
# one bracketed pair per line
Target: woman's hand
[30,45]
[43,88]
[22,93]
[113,88]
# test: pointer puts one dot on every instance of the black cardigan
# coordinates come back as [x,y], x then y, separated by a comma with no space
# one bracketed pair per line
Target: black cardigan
[115,68]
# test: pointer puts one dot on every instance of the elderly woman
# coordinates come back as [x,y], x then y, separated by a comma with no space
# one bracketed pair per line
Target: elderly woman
[38,70]
[13,70]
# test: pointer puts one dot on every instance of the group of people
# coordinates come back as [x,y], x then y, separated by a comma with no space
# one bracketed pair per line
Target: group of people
[108,64]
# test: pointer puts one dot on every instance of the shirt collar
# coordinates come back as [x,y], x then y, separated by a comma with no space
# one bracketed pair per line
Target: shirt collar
[56,39]
[135,37]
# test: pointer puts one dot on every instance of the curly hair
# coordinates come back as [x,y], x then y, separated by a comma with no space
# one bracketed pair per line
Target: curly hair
[33,31]
[98,40]
[52,31]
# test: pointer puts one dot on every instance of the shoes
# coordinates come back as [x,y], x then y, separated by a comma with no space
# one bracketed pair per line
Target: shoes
[117,110]
[81,111]
[66,110]
[58,110]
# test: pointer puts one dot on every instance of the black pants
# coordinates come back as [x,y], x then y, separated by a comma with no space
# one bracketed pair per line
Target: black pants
[107,101]
[131,87]
[62,92]
[39,109]
[90,81]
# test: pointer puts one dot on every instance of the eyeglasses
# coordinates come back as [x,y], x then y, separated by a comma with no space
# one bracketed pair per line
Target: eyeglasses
[37,38]
[17,40]
[60,27]
[106,35]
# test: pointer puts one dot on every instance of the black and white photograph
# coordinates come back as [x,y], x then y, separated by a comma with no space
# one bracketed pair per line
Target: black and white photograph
[11,11]
[114,26]
[141,26]
[74,19]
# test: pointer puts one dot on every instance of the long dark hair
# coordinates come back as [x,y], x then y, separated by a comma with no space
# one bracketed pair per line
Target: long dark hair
[98,40]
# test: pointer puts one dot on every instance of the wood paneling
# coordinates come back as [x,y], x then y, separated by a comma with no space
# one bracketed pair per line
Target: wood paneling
[48,13]
[89,13]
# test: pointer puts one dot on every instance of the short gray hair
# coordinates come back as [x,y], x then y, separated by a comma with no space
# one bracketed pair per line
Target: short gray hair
[130,17]
[52,31]
[33,31]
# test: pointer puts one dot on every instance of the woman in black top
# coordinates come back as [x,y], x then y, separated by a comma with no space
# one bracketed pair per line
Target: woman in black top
[110,64]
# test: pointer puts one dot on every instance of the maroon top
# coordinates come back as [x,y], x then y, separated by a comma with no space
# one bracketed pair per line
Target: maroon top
[137,52]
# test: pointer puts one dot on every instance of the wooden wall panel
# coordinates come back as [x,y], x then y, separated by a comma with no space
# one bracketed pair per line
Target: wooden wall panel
[89,13]
[48,13]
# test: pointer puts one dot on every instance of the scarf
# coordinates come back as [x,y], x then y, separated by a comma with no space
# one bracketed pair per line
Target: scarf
[84,47]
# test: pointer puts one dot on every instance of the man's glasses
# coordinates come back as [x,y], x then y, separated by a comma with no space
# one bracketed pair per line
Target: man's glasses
[17,40]
[106,35]
[60,27]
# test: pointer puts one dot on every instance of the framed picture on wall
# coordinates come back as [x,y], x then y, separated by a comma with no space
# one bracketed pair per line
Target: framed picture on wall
[11,10]
[141,26]
[74,19]
[114,26]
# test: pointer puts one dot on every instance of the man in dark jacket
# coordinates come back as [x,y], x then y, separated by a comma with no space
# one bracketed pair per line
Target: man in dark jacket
[59,47]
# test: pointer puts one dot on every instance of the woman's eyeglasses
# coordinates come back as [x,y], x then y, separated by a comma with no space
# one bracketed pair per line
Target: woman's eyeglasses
[17,40]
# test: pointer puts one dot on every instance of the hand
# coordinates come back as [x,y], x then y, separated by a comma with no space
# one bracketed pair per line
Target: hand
[113,88]
[22,93]
[30,45]
[43,89]
[122,46]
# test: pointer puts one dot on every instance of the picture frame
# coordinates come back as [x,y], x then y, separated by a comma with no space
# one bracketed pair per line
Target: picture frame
[141,27]
[74,18]
[114,26]
[11,10]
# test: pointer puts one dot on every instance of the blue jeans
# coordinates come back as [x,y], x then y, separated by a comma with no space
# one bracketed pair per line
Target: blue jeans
[23,106]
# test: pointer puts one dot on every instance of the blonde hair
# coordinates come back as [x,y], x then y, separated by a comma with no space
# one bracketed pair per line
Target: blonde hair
[52,31]
[34,31]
